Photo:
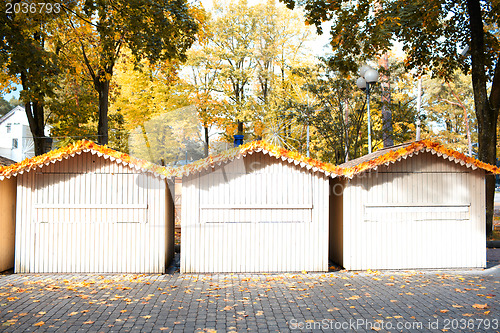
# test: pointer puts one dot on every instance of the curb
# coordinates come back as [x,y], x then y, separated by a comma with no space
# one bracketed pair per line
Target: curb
[493,244]
[495,271]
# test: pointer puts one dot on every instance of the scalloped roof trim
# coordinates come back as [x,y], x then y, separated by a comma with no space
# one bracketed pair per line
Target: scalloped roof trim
[257,147]
[85,146]
[395,155]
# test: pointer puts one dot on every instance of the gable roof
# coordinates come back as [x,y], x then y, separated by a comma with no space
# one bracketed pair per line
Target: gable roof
[349,169]
[396,153]
[4,161]
[77,148]
[10,113]
[255,147]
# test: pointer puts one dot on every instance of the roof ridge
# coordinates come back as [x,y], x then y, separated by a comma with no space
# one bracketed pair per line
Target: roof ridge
[367,162]
[76,148]
[10,113]
[394,155]
[256,146]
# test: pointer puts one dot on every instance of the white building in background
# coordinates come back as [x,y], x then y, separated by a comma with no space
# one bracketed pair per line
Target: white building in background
[16,141]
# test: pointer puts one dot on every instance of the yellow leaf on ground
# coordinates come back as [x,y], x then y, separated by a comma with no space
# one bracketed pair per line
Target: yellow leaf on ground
[40,323]
[480,306]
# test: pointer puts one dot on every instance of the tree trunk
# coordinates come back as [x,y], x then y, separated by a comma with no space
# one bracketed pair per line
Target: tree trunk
[34,112]
[486,113]
[206,140]
[387,130]
[102,87]
[240,127]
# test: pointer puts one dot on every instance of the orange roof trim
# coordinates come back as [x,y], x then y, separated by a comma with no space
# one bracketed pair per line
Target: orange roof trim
[77,148]
[258,146]
[395,155]
[391,156]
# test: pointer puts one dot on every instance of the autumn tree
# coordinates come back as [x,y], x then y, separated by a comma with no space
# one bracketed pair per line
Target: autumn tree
[203,71]
[4,106]
[101,29]
[449,109]
[27,58]
[233,30]
[337,112]
[72,111]
[439,36]
[143,92]
[242,68]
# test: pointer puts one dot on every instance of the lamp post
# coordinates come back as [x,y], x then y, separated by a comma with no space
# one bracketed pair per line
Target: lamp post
[367,77]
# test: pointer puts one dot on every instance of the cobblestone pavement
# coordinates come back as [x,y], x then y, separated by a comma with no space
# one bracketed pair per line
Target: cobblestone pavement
[407,301]
[492,258]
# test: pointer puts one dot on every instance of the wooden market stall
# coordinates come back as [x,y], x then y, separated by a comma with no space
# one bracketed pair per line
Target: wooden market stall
[88,208]
[255,208]
[417,205]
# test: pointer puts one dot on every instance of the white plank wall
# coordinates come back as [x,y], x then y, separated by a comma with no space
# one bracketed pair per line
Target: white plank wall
[422,212]
[89,214]
[255,214]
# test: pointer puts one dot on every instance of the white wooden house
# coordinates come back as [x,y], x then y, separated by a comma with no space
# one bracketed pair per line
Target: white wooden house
[16,140]
[417,205]
[255,208]
[7,218]
[87,208]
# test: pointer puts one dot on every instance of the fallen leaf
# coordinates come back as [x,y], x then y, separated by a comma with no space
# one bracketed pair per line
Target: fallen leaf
[88,322]
[353,298]
[480,306]
[40,323]
[444,311]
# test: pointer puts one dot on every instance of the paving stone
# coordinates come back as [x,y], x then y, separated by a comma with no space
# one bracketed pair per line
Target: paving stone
[270,302]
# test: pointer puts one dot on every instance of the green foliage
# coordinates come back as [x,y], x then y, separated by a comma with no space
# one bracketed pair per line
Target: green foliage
[96,32]
[445,113]
[336,109]
[24,54]
[5,106]
[72,113]
[433,33]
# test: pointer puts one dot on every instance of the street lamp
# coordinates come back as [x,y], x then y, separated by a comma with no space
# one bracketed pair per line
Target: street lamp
[367,77]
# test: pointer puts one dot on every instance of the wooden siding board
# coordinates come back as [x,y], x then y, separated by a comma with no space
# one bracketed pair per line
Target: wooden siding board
[89,240]
[256,245]
[411,239]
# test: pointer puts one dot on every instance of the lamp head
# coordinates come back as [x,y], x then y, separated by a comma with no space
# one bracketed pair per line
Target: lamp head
[361,83]
[363,69]
[371,76]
